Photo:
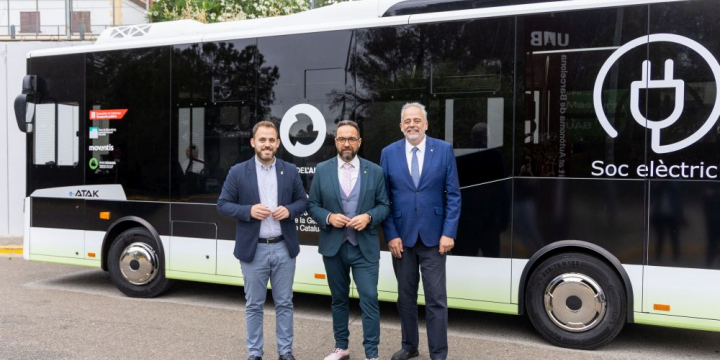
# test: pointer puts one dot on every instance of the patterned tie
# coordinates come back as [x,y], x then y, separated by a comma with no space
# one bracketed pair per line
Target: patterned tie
[415,167]
[347,181]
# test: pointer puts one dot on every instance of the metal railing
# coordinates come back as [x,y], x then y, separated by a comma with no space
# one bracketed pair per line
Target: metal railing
[51,32]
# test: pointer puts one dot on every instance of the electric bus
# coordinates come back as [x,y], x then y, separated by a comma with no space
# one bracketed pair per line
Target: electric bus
[585,132]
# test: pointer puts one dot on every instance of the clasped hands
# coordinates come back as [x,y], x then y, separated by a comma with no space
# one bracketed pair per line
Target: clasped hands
[262,212]
[358,222]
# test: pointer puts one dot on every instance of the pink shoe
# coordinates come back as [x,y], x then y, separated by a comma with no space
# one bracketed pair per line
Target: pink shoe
[339,354]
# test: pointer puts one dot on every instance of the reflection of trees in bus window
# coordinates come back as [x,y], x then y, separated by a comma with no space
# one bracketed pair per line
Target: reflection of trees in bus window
[462,73]
[214,91]
[560,56]
[308,78]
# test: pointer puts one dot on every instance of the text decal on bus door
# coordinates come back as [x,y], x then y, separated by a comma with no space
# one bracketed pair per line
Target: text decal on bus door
[112,114]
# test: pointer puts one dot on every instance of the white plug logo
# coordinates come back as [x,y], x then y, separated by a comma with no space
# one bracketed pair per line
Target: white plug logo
[318,122]
[667,82]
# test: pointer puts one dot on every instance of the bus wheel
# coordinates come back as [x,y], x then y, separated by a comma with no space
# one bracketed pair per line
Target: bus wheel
[576,301]
[134,264]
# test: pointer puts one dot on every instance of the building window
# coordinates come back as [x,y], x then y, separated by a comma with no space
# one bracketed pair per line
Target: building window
[81,18]
[29,22]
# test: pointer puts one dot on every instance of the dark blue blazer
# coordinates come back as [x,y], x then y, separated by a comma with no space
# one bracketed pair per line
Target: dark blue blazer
[325,199]
[430,210]
[240,193]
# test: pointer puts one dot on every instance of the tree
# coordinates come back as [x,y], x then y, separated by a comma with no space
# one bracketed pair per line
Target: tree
[211,11]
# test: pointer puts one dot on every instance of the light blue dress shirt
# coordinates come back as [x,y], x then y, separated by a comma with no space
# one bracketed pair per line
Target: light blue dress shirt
[267,187]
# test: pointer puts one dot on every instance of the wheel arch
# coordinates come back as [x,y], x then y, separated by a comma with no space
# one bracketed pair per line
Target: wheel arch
[121,225]
[585,247]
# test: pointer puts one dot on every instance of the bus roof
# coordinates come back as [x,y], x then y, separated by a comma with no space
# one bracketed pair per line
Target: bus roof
[341,16]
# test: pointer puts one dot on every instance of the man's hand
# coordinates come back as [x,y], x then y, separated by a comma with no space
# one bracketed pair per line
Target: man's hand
[446,244]
[359,222]
[338,220]
[260,212]
[396,247]
[281,213]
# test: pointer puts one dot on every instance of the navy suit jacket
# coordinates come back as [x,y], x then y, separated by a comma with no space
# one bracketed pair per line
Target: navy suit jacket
[325,199]
[430,210]
[240,193]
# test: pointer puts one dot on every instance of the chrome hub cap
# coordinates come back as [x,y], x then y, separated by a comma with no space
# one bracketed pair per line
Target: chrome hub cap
[575,302]
[139,263]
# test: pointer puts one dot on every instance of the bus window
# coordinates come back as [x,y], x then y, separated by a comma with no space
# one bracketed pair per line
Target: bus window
[316,84]
[213,88]
[560,56]
[131,149]
[67,134]
[45,135]
[56,124]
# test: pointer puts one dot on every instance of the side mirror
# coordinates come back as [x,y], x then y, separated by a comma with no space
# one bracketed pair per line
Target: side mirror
[25,112]
[32,88]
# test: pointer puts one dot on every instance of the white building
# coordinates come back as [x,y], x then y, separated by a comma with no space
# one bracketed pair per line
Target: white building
[59,19]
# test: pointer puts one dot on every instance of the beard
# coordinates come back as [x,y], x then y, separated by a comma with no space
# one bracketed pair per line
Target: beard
[348,154]
[262,156]
[415,135]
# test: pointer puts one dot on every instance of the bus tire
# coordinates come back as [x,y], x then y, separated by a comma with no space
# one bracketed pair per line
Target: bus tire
[576,301]
[135,266]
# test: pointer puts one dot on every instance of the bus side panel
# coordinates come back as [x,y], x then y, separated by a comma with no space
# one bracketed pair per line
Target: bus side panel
[58,227]
[607,213]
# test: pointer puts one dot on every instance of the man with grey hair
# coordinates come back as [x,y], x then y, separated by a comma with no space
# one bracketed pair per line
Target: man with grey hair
[424,191]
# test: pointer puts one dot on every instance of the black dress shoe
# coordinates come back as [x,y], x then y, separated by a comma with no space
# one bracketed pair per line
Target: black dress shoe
[287,357]
[403,354]
[253,357]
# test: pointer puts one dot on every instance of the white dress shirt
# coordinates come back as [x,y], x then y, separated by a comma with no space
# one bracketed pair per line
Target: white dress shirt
[420,154]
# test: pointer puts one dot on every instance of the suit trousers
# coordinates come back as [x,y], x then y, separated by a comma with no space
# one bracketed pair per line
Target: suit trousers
[431,264]
[272,262]
[365,273]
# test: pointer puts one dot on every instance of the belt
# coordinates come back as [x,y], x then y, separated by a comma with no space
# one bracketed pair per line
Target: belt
[271,240]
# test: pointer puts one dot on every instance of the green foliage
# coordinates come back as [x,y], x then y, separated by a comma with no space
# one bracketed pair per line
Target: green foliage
[211,11]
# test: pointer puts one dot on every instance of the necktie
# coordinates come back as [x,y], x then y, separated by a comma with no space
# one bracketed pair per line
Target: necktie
[347,179]
[415,167]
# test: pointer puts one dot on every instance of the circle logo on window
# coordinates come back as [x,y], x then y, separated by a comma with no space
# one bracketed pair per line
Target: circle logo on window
[93,164]
[668,81]
[318,123]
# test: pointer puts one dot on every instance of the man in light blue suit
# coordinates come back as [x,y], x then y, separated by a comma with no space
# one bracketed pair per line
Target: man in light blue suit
[422,182]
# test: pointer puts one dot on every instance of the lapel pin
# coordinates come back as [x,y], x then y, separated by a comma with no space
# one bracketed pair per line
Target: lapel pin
[281,172]
[431,149]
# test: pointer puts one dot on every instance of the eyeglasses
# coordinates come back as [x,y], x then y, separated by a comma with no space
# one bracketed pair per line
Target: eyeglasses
[417,121]
[351,140]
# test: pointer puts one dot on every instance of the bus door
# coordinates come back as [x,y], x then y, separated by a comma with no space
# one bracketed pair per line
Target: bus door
[50,112]
[57,217]
[213,111]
